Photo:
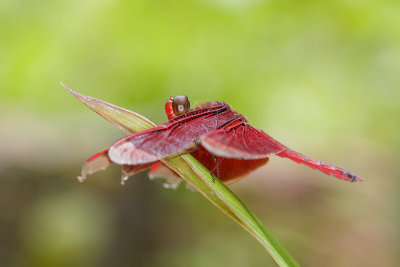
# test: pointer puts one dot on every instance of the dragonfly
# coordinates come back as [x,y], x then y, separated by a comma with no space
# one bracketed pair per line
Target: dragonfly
[217,136]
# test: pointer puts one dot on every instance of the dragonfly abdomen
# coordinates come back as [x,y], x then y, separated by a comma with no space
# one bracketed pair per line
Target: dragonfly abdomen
[319,165]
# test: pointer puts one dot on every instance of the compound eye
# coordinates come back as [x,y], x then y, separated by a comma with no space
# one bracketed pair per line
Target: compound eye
[180,104]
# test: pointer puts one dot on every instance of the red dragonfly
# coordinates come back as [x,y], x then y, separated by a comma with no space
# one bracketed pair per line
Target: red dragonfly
[217,136]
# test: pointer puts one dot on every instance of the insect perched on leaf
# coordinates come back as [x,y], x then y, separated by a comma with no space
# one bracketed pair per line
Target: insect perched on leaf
[217,136]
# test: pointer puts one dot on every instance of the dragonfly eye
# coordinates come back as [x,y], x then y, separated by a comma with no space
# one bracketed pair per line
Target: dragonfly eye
[180,104]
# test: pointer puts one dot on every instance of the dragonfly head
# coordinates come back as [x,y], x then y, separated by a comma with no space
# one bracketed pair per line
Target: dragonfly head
[177,105]
[180,104]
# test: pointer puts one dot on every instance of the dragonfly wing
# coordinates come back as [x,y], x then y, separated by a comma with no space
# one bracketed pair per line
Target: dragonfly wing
[148,146]
[240,140]
[95,163]
[170,138]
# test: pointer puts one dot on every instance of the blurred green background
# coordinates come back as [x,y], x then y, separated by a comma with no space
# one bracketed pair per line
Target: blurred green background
[320,76]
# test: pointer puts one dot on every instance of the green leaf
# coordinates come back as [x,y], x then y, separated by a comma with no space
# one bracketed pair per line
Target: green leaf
[197,175]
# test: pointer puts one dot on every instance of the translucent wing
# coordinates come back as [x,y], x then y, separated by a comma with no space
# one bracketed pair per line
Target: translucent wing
[149,146]
[240,140]
[170,138]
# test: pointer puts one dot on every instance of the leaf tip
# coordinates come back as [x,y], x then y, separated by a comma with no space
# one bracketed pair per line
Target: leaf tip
[66,87]
[74,93]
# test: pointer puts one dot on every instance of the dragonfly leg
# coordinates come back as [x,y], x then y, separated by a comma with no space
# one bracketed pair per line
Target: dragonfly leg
[189,151]
[215,168]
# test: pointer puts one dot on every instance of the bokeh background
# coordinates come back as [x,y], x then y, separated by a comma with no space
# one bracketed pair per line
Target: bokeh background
[320,76]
